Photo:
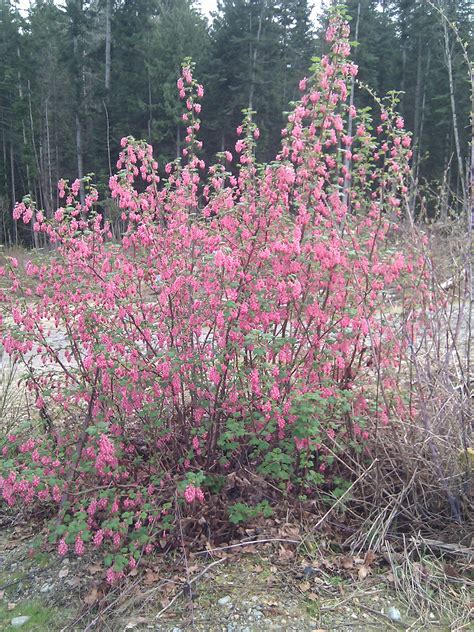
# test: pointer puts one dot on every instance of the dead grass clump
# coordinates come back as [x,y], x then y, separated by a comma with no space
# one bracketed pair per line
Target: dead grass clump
[422,481]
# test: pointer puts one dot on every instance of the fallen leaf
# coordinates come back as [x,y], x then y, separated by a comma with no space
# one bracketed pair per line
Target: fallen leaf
[312,596]
[292,531]
[168,588]
[286,554]
[151,578]
[11,606]
[92,597]
[64,572]
[304,586]
[363,572]
[347,562]
[369,558]
[74,581]
[136,621]
[390,577]
[451,571]
[95,568]
[133,572]
[328,564]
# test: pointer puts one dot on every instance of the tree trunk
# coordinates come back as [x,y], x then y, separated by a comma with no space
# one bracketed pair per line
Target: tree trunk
[417,126]
[79,107]
[347,162]
[23,126]
[4,151]
[150,103]
[12,182]
[416,123]
[108,11]
[178,141]
[49,206]
[33,142]
[108,137]
[423,103]
[457,144]
[444,192]
[79,156]
[253,54]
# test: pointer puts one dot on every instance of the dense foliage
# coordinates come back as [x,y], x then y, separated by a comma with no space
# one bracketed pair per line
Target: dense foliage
[77,78]
[239,324]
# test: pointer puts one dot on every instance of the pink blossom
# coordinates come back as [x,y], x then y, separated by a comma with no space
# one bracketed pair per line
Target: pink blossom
[110,576]
[98,537]
[400,123]
[79,546]
[193,493]
[62,547]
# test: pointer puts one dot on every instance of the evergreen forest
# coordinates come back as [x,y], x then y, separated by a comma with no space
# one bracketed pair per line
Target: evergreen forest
[78,76]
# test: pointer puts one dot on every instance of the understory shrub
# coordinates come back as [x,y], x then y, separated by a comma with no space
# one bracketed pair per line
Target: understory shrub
[241,320]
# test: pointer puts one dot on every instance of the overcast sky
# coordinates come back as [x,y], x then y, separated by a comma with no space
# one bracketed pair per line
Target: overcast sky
[208,5]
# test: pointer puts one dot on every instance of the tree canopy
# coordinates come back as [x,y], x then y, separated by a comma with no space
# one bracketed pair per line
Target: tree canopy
[77,77]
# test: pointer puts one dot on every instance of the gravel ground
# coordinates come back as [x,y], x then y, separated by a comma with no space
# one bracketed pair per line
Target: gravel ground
[264,588]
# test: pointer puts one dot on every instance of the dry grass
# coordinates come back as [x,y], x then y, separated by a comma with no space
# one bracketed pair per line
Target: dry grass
[14,404]
[431,585]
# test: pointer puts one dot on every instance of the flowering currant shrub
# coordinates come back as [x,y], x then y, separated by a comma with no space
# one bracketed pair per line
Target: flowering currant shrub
[238,322]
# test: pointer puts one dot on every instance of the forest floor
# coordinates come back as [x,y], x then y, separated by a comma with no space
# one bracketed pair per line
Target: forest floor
[274,586]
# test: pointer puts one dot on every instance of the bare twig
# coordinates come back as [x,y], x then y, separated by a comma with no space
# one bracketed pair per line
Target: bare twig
[247,543]
[191,581]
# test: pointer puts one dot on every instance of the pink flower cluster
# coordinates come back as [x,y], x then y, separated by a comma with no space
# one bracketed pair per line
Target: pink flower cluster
[106,455]
[236,320]
[192,493]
